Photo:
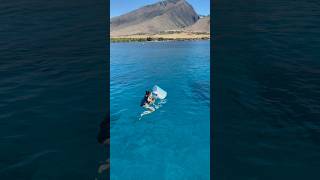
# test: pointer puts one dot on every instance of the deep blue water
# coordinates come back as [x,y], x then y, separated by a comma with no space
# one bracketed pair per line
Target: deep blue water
[53,64]
[174,141]
[266,90]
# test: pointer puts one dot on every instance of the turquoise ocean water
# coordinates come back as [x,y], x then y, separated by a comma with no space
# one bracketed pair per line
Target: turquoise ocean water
[174,141]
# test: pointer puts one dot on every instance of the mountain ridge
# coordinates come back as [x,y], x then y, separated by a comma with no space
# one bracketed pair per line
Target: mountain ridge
[156,18]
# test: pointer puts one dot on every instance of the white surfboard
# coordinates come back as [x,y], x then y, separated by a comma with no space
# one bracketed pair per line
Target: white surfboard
[160,93]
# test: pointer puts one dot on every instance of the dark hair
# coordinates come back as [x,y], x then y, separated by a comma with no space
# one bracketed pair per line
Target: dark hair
[148,92]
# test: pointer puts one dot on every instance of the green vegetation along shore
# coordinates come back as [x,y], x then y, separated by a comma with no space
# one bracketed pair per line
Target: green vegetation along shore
[114,40]
[178,36]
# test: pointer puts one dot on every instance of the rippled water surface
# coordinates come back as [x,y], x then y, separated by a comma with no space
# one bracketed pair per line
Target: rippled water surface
[173,142]
[266,82]
[52,89]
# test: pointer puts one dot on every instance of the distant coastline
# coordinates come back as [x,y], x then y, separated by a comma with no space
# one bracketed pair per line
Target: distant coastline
[164,36]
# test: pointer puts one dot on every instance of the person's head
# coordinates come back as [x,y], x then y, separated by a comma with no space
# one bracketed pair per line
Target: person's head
[148,93]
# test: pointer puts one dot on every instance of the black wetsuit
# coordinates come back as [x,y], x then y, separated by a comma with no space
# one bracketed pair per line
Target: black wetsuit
[144,101]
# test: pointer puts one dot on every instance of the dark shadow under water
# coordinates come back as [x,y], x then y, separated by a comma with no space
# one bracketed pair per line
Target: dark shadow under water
[103,137]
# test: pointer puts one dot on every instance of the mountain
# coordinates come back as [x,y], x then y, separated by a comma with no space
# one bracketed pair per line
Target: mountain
[162,16]
[202,25]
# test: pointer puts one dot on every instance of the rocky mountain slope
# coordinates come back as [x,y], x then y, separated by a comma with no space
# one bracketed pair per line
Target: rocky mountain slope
[159,17]
[202,25]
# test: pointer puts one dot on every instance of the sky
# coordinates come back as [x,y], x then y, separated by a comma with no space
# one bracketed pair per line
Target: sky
[119,7]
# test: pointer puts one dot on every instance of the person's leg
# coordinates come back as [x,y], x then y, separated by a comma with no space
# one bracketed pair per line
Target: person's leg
[148,107]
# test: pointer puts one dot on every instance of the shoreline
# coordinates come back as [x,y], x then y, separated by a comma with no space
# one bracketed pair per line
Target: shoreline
[185,36]
[119,40]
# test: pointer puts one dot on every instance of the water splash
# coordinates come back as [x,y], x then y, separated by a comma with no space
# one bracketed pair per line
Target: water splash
[154,107]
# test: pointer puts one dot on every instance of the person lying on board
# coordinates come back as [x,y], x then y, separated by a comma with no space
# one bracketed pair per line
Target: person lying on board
[148,100]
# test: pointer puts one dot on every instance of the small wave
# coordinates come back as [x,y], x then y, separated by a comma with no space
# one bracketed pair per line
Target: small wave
[12,137]
[201,92]
[155,107]
[26,161]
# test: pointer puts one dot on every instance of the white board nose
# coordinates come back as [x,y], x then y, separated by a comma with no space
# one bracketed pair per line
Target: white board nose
[161,94]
